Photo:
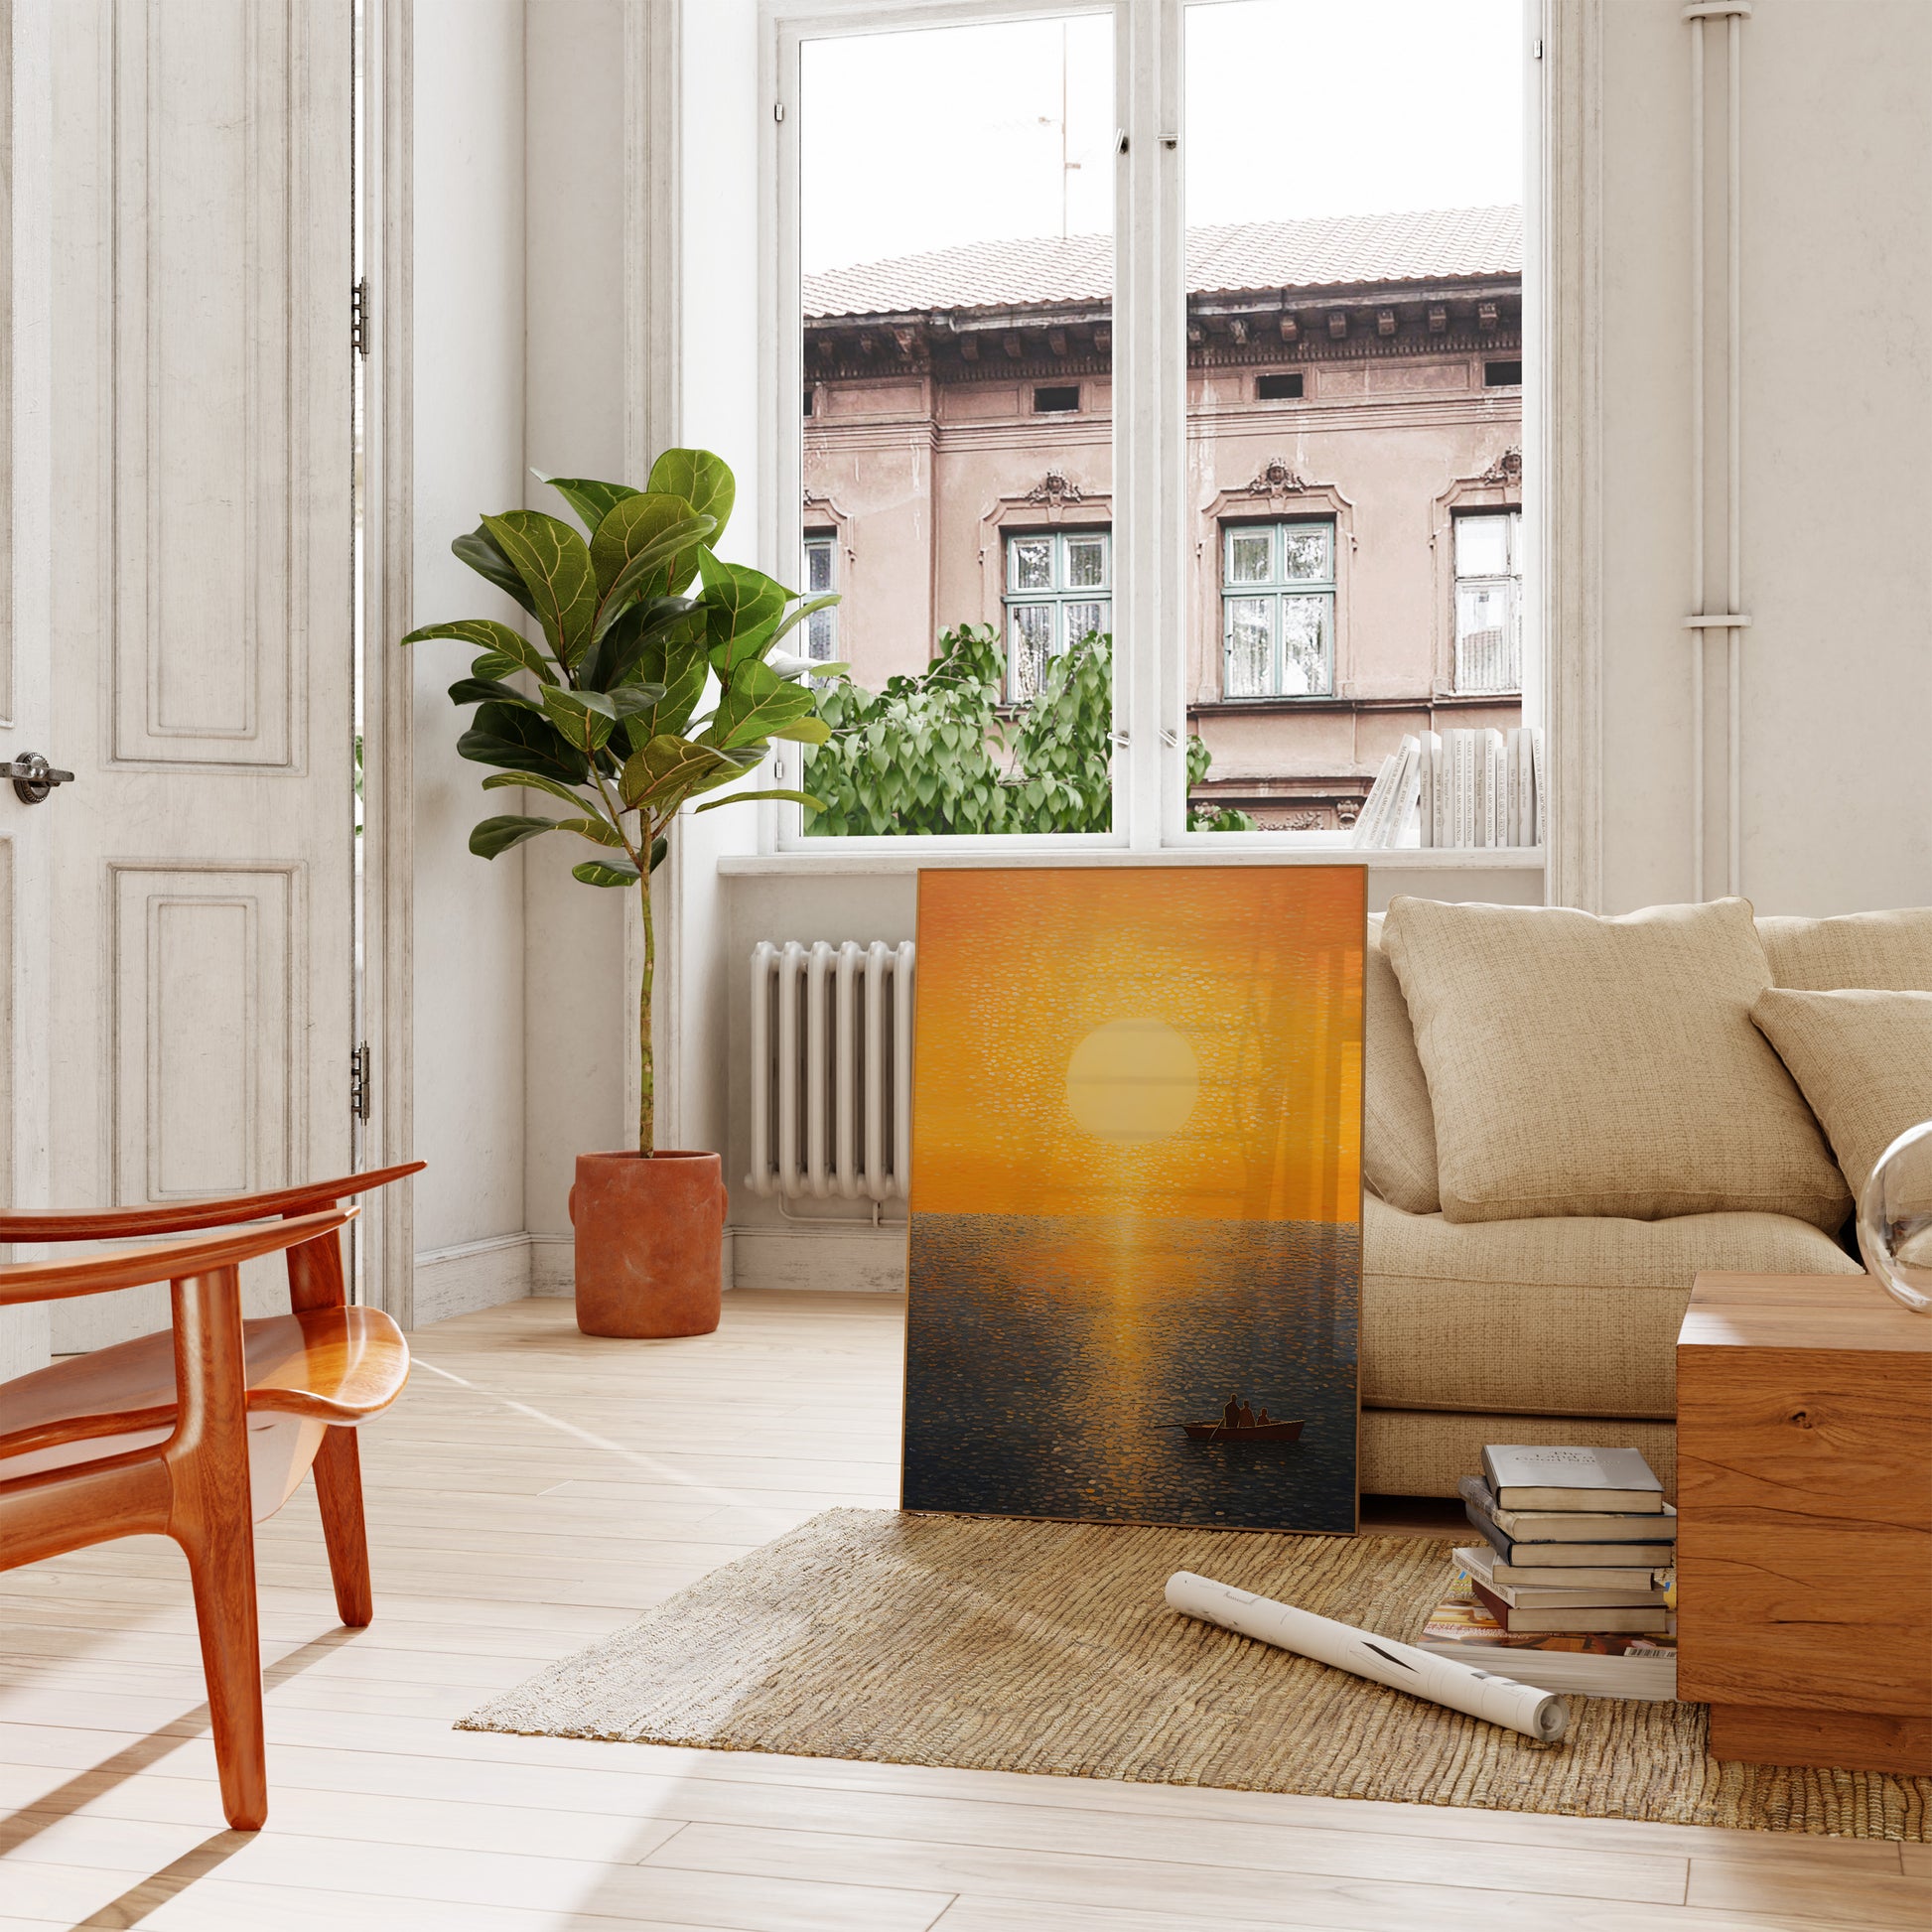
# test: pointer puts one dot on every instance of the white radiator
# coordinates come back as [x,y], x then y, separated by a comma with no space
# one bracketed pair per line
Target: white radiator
[831,1069]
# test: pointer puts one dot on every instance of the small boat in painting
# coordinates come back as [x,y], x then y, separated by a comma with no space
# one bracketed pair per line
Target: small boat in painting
[1239,1423]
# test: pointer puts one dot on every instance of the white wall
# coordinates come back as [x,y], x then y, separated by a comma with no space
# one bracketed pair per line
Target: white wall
[468,400]
[574,403]
[1837,424]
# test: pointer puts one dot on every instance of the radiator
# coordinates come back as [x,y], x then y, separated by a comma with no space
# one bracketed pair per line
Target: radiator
[831,1069]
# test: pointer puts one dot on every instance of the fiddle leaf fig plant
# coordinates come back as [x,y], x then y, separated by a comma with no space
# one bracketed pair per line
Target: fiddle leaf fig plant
[659,678]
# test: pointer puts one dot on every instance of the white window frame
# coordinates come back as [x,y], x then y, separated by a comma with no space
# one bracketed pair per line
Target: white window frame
[1150,549]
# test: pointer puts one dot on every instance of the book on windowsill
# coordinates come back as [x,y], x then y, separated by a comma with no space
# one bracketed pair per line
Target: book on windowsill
[1572,1476]
[1482,1562]
[1607,1664]
[1653,1619]
[1567,1525]
[1570,1556]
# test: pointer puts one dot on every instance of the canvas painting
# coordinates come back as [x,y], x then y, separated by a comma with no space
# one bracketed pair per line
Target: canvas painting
[1135,1256]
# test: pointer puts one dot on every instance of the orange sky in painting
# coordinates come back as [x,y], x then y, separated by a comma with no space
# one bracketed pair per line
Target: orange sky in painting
[1258,967]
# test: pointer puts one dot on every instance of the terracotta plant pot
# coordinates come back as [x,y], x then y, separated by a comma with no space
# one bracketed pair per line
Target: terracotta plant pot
[651,1243]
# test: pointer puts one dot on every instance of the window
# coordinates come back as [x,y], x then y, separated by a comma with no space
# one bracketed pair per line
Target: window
[807,410]
[1488,601]
[821,575]
[990,406]
[1278,608]
[1058,585]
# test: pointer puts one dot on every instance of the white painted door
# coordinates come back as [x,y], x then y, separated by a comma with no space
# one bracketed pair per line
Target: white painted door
[201,1006]
[26,660]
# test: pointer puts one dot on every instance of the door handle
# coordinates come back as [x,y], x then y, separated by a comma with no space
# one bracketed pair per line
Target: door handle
[33,776]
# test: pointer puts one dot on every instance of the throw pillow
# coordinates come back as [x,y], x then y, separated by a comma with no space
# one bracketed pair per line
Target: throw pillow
[1586,1065]
[1870,949]
[1398,1129]
[1865,1062]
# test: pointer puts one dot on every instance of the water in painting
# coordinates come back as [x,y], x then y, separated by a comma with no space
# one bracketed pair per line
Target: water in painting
[1135,1255]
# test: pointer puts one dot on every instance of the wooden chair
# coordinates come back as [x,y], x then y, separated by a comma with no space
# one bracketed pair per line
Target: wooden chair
[199,1432]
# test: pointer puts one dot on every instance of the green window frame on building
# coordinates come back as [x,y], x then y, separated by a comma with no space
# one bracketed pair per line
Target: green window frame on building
[1278,608]
[1059,589]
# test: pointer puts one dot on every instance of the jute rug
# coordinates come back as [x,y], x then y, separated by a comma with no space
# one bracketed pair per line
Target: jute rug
[1045,1647]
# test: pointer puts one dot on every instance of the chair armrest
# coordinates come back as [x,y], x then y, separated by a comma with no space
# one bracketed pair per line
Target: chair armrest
[182,1217]
[59,1281]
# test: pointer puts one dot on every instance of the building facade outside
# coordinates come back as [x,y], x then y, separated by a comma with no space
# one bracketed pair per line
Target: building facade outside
[1355,479]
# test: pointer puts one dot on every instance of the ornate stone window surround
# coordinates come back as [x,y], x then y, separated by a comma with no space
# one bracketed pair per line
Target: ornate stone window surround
[1275,493]
[1498,488]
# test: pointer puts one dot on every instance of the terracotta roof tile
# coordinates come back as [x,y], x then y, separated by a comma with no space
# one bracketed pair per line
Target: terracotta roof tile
[1429,244]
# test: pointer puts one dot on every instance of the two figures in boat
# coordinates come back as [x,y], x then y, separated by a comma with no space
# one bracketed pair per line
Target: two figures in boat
[1238,1423]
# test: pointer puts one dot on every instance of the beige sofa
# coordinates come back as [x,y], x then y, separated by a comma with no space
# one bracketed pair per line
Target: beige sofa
[1559,1328]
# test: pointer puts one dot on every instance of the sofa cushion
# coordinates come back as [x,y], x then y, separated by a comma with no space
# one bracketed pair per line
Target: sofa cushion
[1565,1316]
[1398,1129]
[1586,1065]
[1863,1061]
[1878,949]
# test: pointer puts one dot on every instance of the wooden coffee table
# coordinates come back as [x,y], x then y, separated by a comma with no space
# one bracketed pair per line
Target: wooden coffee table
[1804,1540]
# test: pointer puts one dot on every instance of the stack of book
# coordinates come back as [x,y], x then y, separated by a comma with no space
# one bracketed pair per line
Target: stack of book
[1574,1575]
[1458,788]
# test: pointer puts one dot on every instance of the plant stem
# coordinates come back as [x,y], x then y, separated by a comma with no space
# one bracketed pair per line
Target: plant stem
[647,1071]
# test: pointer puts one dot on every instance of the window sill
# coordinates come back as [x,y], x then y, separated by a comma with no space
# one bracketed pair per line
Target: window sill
[865,857]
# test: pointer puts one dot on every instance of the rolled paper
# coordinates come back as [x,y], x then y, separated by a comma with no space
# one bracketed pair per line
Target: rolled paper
[1401,1666]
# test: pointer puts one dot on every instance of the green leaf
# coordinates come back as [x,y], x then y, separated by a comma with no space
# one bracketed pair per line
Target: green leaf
[745,798]
[592,501]
[634,526]
[497,835]
[742,609]
[554,563]
[584,718]
[599,830]
[667,771]
[485,690]
[798,617]
[496,638]
[665,647]
[755,703]
[607,871]
[704,481]
[647,574]
[659,847]
[479,549]
[804,730]
[538,782]
[522,740]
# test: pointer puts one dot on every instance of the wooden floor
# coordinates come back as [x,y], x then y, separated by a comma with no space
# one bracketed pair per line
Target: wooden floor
[530,1494]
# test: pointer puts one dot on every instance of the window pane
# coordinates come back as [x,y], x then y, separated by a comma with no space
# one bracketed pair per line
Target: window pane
[1304,645]
[1249,556]
[1481,546]
[1029,563]
[1083,620]
[1353,186]
[821,636]
[1030,644]
[1086,563]
[818,567]
[1251,648]
[1488,655]
[955,222]
[1307,553]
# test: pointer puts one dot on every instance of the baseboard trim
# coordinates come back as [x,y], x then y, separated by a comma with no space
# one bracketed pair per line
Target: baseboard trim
[474,1275]
[856,1259]
[553,1264]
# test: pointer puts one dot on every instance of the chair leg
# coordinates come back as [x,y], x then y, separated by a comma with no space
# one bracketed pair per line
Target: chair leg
[221,1566]
[338,1489]
[210,1517]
